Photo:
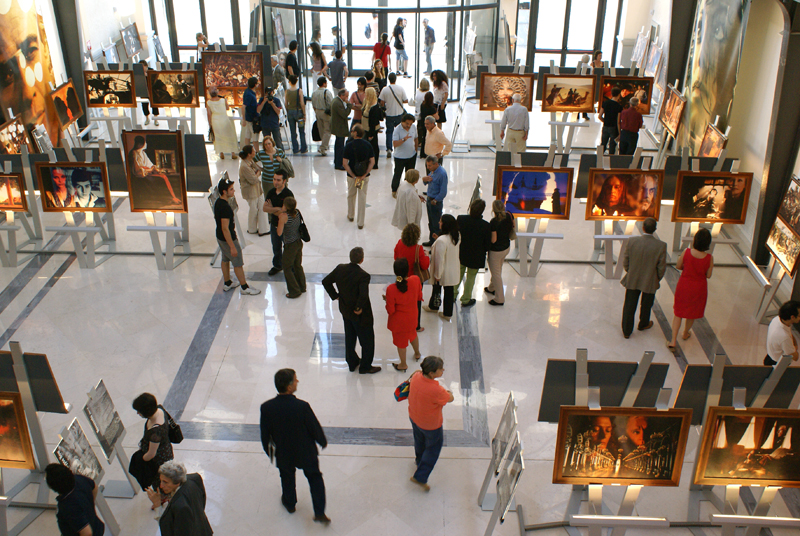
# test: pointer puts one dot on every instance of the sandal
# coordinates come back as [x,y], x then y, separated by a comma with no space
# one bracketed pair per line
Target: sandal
[417,357]
[397,368]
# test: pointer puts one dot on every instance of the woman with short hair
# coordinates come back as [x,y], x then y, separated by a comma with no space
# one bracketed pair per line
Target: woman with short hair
[691,292]
[410,205]
[155,447]
[289,229]
[502,224]
[185,511]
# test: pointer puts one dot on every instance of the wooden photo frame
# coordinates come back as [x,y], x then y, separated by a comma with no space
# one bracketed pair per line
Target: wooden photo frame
[230,71]
[13,137]
[16,451]
[789,210]
[155,170]
[711,196]
[750,447]
[67,104]
[624,194]
[131,40]
[109,89]
[568,93]
[496,90]
[622,446]
[12,192]
[173,89]
[784,244]
[535,192]
[672,110]
[630,86]
[714,141]
[85,187]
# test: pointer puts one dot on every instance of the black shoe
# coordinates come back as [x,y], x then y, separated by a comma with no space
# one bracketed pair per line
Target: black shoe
[263,234]
[648,326]
[325,520]
[470,303]
[340,169]
[768,361]
[290,509]
[487,291]
[427,244]
[492,302]
[372,370]
[353,366]
[273,271]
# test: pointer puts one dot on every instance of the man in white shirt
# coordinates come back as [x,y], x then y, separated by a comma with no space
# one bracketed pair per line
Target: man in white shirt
[392,97]
[515,117]
[780,341]
[406,145]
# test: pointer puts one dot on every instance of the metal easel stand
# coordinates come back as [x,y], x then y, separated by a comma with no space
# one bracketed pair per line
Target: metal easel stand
[769,287]
[165,258]
[113,124]
[500,447]
[507,487]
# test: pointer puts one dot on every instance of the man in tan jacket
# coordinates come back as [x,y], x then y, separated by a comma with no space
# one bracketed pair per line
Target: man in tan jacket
[645,262]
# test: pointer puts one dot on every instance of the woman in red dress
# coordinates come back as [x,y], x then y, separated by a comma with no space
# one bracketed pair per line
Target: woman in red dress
[401,304]
[691,293]
[408,248]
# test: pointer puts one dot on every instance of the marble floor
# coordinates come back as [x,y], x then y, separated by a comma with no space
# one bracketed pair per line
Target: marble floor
[211,357]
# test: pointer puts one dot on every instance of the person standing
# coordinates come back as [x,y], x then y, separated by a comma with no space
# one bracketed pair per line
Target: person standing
[155,447]
[436,179]
[349,284]
[186,502]
[337,71]
[292,66]
[340,110]
[408,208]
[609,115]
[630,121]
[278,72]
[436,143]
[780,340]
[270,109]
[252,191]
[406,145]
[146,102]
[393,97]
[402,299]
[296,114]
[408,248]
[228,244]
[476,239]
[515,117]
[645,262]
[274,206]
[400,46]
[371,117]
[691,292]
[358,160]
[444,266]
[75,513]
[430,39]
[382,51]
[289,229]
[380,75]
[502,225]
[597,61]
[426,108]
[291,432]
[249,111]
[270,159]
[357,100]
[339,44]
[319,63]
[321,100]
[441,92]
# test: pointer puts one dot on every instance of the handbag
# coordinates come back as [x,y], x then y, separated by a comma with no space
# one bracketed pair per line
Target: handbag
[315,132]
[442,116]
[513,234]
[303,230]
[287,167]
[174,431]
[423,275]
[436,296]
[402,390]
[257,124]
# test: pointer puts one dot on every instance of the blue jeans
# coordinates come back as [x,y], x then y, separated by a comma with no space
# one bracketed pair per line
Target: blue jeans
[391,122]
[434,215]
[277,245]
[427,447]
[294,117]
[428,51]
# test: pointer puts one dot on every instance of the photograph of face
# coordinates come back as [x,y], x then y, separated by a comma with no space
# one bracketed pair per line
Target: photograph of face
[620,446]
[154,162]
[790,206]
[68,107]
[11,193]
[784,246]
[173,88]
[624,194]
[713,143]
[709,196]
[232,70]
[130,39]
[15,441]
[13,138]
[109,89]
[111,54]
[105,420]
[531,192]
[630,86]
[672,111]
[497,90]
[75,452]
[74,187]
[565,93]
[653,59]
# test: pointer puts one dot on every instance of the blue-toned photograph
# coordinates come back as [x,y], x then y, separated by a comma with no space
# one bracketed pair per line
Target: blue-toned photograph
[535,192]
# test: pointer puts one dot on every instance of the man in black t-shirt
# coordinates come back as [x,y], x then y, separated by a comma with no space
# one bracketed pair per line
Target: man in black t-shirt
[291,60]
[228,244]
[358,160]
[75,514]
[400,47]
[609,115]
[274,206]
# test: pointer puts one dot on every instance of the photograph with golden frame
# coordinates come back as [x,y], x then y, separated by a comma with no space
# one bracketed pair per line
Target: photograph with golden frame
[623,446]
[568,93]
[74,186]
[711,196]
[173,89]
[672,110]
[789,211]
[784,245]
[16,451]
[12,193]
[229,73]
[109,89]
[624,194]
[714,141]
[497,89]
[131,40]
[535,192]
[630,86]
[750,447]
[67,104]
[155,171]
[13,137]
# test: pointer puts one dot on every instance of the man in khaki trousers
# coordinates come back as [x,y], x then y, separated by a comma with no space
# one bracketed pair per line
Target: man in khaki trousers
[515,117]
[321,100]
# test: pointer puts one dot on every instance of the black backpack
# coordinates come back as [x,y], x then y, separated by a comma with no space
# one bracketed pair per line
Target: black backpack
[368,31]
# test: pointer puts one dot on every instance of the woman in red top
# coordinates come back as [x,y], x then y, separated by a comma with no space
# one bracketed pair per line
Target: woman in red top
[382,51]
[402,300]
[691,292]
[408,248]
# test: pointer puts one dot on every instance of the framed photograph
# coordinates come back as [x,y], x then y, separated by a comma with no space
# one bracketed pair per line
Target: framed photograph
[624,194]
[790,206]
[672,110]
[568,93]
[74,186]
[230,71]
[709,196]
[13,138]
[640,49]
[661,79]
[42,139]
[68,106]
[104,419]
[130,40]
[497,89]
[630,86]
[653,60]
[624,446]
[535,192]
[155,170]
[158,47]
[16,451]
[111,54]
[12,192]
[784,245]
[750,447]
[109,89]
[75,452]
[713,143]
[173,88]
[277,22]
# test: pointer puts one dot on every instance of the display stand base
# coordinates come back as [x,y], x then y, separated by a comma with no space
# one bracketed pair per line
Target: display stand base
[612,269]
[490,500]
[38,508]
[165,258]
[769,288]
[118,489]
[87,255]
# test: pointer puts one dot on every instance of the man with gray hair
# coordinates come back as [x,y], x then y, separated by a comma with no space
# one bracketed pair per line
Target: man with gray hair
[630,121]
[436,143]
[515,117]
[340,109]
[185,511]
[278,74]
[321,100]
[645,262]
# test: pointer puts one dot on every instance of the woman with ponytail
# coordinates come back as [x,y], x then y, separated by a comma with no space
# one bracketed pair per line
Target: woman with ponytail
[401,303]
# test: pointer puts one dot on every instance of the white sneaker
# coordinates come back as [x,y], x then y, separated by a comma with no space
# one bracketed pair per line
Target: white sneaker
[155,122]
[147,120]
[249,291]
[230,287]
[388,154]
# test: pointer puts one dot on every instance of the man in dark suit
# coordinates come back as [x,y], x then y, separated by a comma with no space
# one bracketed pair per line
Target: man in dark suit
[340,110]
[185,511]
[645,262]
[476,239]
[291,431]
[352,291]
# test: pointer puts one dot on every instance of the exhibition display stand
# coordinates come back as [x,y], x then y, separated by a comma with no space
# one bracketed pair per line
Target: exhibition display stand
[178,117]
[769,282]
[557,127]
[500,447]
[666,137]
[507,485]
[113,124]
[10,257]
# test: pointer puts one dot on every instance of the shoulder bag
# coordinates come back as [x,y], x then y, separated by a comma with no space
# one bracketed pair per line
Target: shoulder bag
[396,99]
[286,166]
[174,431]
[402,390]
[303,230]
[417,270]
[512,235]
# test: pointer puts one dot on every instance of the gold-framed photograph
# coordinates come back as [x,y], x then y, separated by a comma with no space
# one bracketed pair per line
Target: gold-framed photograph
[68,106]
[672,110]
[13,138]
[630,86]
[173,89]
[109,89]
[568,93]
[16,451]
[784,244]
[74,186]
[155,170]
[624,194]
[790,205]
[714,141]
[12,192]
[535,192]
[230,71]
[711,196]
[497,89]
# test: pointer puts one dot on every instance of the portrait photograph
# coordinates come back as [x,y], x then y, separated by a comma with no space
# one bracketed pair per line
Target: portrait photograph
[74,186]
[750,447]
[497,89]
[68,106]
[789,211]
[630,86]
[155,171]
[13,138]
[624,194]
[672,111]
[12,192]
[15,440]
[173,88]
[109,89]
[130,40]
[653,61]
[625,446]
[105,420]
[784,245]
[111,54]
[709,196]
[535,192]
[75,452]
[568,93]
[713,142]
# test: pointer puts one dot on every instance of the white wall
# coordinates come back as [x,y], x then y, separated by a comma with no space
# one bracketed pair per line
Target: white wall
[638,13]
[100,22]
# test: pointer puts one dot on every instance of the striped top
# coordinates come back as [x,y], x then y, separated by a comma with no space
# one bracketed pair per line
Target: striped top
[268,167]
[291,229]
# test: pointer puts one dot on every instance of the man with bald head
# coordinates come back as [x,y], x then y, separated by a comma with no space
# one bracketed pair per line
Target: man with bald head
[515,117]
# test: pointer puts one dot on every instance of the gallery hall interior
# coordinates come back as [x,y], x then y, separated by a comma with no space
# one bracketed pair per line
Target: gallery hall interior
[407,267]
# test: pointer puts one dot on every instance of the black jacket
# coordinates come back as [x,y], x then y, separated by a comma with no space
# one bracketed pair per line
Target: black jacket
[291,424]
[352,291]
[185,512]
[476,239]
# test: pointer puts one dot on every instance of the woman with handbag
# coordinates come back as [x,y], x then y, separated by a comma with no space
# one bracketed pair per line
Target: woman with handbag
[357,100]
[155,447]
[372,115]
[289,221]
[418,262]
[402,301]
[503,233]
[445,267]
[296,114]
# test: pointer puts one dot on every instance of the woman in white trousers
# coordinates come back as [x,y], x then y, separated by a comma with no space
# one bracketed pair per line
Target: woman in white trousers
[250,184]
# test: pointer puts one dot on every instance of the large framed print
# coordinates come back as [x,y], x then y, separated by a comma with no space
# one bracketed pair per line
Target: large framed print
[12,193]
[653,61]
[109,89]
[13,137]
[568,93]
[173,89]
[624,194]
[15,440]
[230,71]
[711,196]
[623,446]
[713,143]
[497,89]
[75,452]
[789,211]
[672,110]
[104,419]
[74,186]
[277,21]
[630,86]
[535,192]
[111,54]
[750,447]
[68,106]
[131,40]
[155,170]
[784,245]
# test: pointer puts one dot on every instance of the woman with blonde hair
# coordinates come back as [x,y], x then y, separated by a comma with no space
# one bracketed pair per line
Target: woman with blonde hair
[371,117]
[409,205]
[502,225]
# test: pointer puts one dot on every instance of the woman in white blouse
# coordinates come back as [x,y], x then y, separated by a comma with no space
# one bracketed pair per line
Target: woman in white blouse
[445,264]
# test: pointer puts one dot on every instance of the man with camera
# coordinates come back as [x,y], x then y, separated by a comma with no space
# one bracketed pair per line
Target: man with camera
[270,109]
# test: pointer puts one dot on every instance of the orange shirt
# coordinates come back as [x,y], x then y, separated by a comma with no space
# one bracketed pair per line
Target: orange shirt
[426,398]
